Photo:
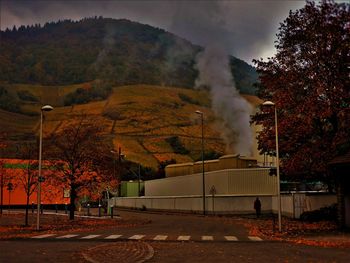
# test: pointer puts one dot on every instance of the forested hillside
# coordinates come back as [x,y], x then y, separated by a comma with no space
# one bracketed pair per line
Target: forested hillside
[118,51]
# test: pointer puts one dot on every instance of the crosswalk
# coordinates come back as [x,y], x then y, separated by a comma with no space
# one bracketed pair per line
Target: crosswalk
[206,238]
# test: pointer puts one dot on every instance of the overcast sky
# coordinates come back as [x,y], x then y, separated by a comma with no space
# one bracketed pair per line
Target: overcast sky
[246,28]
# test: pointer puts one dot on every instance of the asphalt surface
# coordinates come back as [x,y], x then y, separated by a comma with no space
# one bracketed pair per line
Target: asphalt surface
[245,250]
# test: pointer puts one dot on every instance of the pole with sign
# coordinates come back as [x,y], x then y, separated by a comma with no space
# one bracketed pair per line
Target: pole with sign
[213,193]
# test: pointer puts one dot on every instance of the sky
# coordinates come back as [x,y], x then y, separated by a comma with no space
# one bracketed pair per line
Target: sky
[245,28]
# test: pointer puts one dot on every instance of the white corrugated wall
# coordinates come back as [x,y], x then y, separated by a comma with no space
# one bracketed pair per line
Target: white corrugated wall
[251,181]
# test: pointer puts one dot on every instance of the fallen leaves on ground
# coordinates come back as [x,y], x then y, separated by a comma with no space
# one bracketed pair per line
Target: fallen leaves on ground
[323,233]
[11,225]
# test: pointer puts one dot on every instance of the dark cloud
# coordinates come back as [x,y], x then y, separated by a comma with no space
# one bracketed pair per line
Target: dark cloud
[245,28]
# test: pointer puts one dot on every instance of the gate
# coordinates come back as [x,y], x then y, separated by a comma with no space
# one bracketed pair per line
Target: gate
[298,204]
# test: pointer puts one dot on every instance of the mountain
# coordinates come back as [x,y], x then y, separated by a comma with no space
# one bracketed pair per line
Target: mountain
[118,51]
[151,124]
[134,79]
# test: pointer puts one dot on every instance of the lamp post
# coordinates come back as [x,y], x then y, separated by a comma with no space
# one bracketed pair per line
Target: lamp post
[271,104]
[114,153]
[114,173]
[2,192]
[139,177]
[203,177]
[40,178]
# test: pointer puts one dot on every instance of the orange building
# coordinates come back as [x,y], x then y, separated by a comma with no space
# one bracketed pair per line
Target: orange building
[12,188]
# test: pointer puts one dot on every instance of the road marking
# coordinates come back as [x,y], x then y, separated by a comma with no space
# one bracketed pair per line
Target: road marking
[137,237]
[160,237]
[67,236]
[184,238]
[231,238]
[113,237]
[254,238]
[44,236]
[90,236]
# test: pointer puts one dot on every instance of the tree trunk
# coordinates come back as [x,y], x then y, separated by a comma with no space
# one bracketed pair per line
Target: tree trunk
[72,203]
[27,204]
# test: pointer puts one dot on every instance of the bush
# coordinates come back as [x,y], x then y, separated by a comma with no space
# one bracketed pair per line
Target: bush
[8,102]
[328,213]
[188,99]
[177,146]
[26,96]
[99,90]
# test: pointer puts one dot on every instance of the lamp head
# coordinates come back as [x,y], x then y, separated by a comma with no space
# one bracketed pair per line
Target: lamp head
[268,103]
[47,108]
[199,112]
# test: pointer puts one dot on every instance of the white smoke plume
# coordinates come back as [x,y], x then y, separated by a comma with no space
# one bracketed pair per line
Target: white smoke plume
[108,44]
[227,104]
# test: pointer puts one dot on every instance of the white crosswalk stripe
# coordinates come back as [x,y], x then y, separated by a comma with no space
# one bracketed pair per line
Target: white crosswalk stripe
[44,236]
[90,236]
[67,236]
[113,237]
[148,237]
[253,238]
[160,237]
[183,238]
[231,238]
[137,237]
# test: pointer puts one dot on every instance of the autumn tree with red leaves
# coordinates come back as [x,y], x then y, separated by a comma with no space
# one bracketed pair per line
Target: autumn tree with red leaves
[308,80]
[78,148]
[2,172]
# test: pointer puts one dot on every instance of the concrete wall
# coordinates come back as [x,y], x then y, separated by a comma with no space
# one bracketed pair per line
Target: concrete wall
[217,205]
[294,204]
[224,204]
[316,201]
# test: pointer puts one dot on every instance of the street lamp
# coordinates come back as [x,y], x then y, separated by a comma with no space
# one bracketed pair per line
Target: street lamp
[271,104]
[203,177]
[113,152]
[120,157]
[2,192]
[40,178]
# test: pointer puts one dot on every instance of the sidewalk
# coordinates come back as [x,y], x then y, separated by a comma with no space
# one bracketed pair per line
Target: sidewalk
[322,233]
[341,240]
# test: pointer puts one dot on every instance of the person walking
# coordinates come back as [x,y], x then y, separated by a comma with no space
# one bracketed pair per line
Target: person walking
[257,207]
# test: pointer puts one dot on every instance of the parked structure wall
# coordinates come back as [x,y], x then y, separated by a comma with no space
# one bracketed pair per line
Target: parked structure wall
[13,169]
[253,181]
[223,163]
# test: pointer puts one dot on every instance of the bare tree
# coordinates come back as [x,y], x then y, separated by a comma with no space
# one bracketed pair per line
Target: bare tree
[78,147]
[29,178]
[2,171]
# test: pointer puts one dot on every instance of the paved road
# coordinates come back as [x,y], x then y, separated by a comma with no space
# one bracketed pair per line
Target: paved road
[174,225]
[207,243]
[162,228]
